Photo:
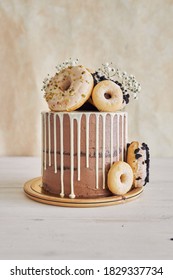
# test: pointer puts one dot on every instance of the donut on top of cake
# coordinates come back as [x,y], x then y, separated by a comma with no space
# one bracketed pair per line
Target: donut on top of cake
[69,89]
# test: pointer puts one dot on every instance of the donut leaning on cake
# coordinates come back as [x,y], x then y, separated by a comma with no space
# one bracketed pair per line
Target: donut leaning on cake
[120,178]
[69,89]
[138,159]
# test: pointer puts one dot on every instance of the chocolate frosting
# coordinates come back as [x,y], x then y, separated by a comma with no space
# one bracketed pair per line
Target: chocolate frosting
[86,187]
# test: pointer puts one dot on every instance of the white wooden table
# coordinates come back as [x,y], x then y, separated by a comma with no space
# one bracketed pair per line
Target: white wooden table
[140,229]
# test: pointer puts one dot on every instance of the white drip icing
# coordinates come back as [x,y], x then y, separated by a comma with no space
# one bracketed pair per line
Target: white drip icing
[125,135]
[55,137]
[112,130]
[45,132]
[118,154]
[87,140]
[61,118]
[103,159]
[122,137]
[78,146]
[49,139]
[97,151]
[42,144]
[121,133]
[72,195]
[76,117]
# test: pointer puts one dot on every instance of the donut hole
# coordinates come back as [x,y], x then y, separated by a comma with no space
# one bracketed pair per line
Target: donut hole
[123,178]
[107,95]
[66,83]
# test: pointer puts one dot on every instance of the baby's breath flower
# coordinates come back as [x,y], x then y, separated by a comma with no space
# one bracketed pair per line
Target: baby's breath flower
[66,64]
[128,82]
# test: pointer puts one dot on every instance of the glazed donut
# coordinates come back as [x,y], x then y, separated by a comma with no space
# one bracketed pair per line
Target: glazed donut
[138,158]
[107,96]
[69,89]
[120,178]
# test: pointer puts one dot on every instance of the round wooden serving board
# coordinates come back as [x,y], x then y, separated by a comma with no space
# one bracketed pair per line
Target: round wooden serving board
[33,190]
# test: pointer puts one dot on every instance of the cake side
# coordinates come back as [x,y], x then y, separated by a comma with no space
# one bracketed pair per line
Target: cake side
[78,150]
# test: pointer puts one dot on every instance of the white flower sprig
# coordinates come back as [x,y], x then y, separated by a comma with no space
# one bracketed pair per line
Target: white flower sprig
[67,63]
[45,83]
[128,82]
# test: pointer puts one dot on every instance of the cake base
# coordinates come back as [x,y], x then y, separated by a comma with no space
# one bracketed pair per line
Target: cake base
[33,190]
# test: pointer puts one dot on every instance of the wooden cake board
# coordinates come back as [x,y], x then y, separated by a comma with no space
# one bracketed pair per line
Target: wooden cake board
[34,190]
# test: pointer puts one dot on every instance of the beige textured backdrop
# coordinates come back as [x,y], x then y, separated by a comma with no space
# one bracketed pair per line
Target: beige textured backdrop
[36,35]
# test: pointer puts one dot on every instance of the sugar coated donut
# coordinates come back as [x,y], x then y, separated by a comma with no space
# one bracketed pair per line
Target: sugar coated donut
[69,89]
[138,158]
[120,178]
[107,96]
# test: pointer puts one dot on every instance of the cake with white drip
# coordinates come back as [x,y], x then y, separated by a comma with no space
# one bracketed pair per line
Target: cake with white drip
[85,133]
[78,150]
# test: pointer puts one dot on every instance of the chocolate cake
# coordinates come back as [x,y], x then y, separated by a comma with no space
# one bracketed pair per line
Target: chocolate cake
[85,133]
[78,150]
